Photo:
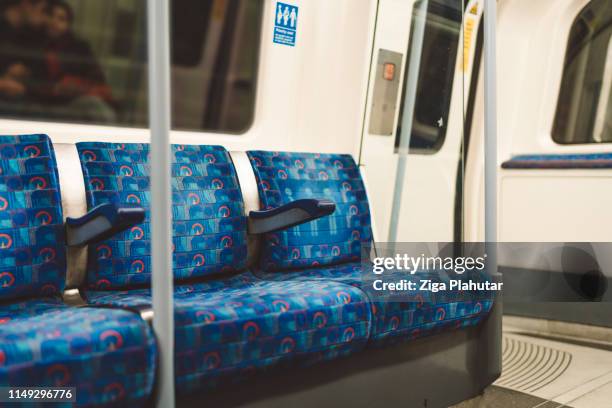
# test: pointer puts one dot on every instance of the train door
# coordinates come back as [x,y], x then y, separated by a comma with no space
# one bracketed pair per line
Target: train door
[555,112]
[419,88]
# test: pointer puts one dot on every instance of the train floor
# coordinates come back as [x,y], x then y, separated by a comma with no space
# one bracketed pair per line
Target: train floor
[550,371]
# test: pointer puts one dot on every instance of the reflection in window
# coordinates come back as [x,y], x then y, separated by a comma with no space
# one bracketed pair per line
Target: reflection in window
[584,110]
[436,75]
[85,61]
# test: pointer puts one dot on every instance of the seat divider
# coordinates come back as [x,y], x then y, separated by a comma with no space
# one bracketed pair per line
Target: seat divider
[74,205]
[250,196]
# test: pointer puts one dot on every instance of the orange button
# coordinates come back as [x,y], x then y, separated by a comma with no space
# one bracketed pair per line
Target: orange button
[389,71]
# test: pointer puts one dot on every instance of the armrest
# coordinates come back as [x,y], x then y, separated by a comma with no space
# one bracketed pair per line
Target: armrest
[101,222]
[295,213]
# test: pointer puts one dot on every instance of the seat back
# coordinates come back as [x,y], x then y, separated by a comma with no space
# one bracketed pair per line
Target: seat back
[32,251]
[209,224]
[284,177]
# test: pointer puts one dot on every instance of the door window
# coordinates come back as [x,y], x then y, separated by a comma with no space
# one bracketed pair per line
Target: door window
[584,110]
[436,75]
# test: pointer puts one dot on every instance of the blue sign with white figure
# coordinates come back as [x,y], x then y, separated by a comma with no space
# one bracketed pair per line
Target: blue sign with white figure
[285,24]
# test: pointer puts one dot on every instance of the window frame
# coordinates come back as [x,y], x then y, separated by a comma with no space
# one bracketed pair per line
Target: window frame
[84,130]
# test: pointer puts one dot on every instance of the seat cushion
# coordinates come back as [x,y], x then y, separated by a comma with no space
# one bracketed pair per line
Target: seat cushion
[348,273]
[417,314]
[227,329]
[32,252]
[108,355]
[208,212]
[284,177]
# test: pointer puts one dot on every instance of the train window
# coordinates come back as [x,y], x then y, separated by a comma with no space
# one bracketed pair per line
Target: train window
[584,110]
[85,62]
[436,75]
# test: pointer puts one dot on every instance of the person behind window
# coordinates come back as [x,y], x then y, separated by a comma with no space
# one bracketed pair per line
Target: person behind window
[22,24]
[72,83]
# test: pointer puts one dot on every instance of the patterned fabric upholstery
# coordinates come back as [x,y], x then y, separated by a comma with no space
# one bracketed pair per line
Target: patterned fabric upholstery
[285,177]
[229,328]
[327,249]
[420,314]
[560,161]
[348,273]
[108,355]
[208,212]
[32,254]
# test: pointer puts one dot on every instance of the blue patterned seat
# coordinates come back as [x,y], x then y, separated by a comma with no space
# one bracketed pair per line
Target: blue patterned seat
[228,329]
[108,355]
[208,213]
[285,177]
[228,323]
[330,248]
[420,314]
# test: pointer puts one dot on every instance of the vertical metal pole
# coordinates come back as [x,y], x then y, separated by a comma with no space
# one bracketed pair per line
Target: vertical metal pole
[412,80]
[161,219]
[490,139]
[493,347]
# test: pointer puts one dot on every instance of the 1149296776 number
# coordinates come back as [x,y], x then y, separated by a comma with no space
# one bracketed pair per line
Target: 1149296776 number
[40,394]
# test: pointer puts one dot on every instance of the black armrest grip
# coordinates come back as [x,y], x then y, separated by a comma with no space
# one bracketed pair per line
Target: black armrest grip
[101,222]
[295,213]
